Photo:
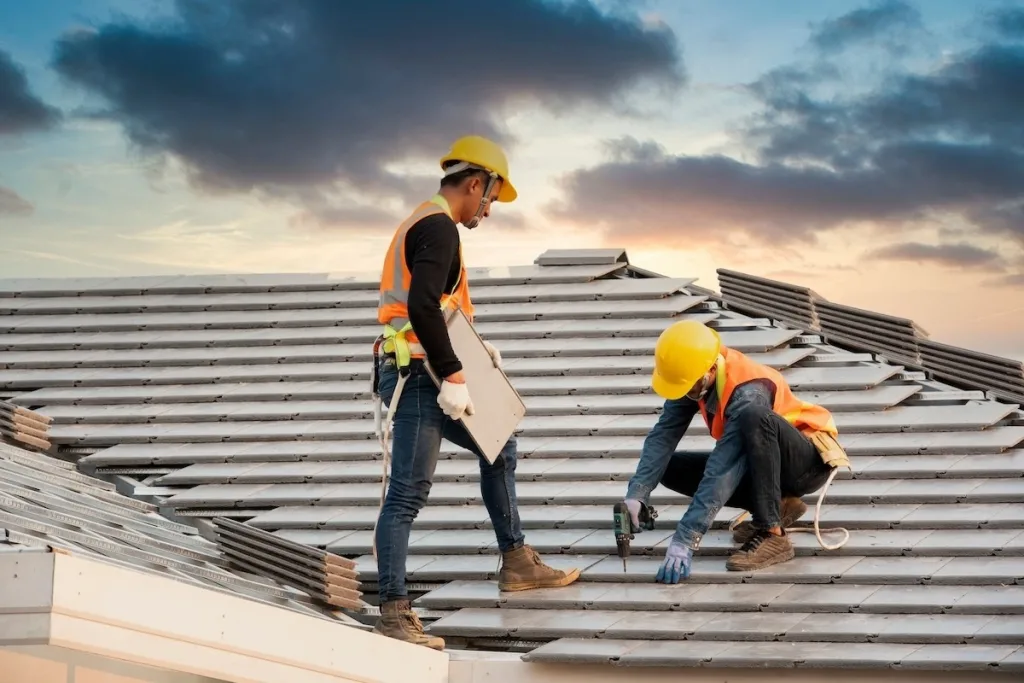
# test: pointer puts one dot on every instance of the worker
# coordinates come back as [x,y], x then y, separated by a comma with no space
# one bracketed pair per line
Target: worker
[770,449]
[424,275]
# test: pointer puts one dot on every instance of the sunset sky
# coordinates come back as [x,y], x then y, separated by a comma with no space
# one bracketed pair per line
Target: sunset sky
[873,151]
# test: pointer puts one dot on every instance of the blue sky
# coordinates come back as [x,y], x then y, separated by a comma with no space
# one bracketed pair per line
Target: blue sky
[866,149]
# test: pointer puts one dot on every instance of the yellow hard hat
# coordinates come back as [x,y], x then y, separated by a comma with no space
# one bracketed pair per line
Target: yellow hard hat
[482,152]
[684,353]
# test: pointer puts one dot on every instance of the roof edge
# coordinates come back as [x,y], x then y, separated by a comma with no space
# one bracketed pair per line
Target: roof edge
[189,629]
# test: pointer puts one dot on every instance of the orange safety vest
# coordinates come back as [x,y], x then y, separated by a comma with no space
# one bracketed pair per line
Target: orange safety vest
[393,309]
[735,369]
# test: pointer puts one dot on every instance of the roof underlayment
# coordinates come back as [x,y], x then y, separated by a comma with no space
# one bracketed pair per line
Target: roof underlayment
[247,397]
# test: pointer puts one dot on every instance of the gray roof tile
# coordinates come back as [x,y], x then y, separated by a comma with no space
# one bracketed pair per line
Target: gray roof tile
[248,395]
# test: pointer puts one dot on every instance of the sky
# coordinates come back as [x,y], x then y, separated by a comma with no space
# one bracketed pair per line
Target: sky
[870,150]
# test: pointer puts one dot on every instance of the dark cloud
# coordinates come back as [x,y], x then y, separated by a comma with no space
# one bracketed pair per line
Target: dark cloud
[13,204]
[1009,21]
[961,255]
[21,111]
[942,146]
[280,97]
[888,21]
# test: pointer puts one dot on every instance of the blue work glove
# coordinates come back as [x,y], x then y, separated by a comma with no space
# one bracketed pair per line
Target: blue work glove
[676,564]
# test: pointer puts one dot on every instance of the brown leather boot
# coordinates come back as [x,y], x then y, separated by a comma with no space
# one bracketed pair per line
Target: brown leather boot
[398,621]
[762,550]
[522,570]
[791,509]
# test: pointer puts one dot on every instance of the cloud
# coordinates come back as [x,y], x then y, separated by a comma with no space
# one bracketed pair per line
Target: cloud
[21,111]
[912,149]
[13,204]
[289,98]
[960,255]
[888,20]
[1009,21]
[1011,280]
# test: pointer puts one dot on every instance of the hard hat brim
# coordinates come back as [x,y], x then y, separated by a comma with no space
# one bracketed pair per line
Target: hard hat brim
[669,391]
[507,193]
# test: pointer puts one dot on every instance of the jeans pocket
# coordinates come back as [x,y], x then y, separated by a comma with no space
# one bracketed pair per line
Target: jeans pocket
[387,383]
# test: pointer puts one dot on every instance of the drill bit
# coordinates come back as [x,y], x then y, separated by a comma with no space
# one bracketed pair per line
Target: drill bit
[623,531]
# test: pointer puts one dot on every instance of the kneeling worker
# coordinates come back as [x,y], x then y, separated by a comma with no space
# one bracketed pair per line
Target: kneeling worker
[423,275]
[765,457]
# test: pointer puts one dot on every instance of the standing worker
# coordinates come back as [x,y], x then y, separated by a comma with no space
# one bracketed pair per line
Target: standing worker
[770,449]
[423,275]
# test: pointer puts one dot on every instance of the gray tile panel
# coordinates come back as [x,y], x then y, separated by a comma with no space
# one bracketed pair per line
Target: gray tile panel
[608,290]
[361,351]
[353,398]
[830,377]
[543,447]
[990,600]
[727,654]
[583,651]
[956,658]
[220,421]
[1005,630]
[657,625]
[608,492]
[980,570]
[964,543]
[264,282]
[364,333]
[366,315]
[729,598]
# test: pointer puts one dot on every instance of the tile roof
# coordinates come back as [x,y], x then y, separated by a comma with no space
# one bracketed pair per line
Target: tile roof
[47,503]
[247,397]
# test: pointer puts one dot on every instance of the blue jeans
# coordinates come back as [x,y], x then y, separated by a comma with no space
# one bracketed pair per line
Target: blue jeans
[419,425]
[770,459]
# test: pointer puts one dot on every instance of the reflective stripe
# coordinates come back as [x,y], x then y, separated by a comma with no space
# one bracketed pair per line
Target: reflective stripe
[735,369]
[397,290]
[393,311]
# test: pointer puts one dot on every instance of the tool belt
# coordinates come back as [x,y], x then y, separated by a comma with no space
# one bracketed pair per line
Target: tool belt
[831,451]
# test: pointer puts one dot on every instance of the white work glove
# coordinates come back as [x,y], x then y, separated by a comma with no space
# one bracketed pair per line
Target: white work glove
[494,353]
[454,400]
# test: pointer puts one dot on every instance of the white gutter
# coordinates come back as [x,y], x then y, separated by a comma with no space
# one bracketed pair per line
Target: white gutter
[53,604]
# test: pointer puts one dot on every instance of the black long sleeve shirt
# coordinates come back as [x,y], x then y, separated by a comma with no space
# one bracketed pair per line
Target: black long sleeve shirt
[432,256]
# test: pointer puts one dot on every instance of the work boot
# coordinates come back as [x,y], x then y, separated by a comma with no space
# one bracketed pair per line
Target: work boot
[522,570]
[762,550]
[398,621]
[791,510]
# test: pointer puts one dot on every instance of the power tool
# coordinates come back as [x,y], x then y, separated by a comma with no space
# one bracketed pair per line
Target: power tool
[624,528]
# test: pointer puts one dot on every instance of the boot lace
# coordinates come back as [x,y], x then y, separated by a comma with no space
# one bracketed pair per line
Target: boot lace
[759,537]
[413,619]
[408,616]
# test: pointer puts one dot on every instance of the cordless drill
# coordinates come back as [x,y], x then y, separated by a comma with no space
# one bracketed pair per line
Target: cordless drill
[624,528]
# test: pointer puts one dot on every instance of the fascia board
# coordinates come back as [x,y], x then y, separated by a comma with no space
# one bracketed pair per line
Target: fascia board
[148,619]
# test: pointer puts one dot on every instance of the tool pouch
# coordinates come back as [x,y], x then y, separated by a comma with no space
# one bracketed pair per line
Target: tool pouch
[831,452]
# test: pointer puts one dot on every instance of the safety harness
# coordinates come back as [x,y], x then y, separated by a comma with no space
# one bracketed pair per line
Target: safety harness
[395,343]
[832,454]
